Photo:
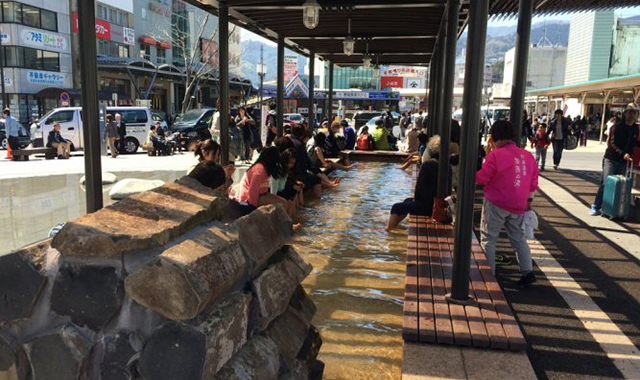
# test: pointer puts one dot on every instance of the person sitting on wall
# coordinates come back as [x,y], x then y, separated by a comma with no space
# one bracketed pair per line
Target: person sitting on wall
[316,154]
[303,168]
[416,158]
[55,140]
[381,136]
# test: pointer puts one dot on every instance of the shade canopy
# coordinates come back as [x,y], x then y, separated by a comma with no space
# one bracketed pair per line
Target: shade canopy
[398,32]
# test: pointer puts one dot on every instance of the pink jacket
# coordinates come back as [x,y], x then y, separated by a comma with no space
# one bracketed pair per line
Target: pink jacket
[255,182]
[509,175]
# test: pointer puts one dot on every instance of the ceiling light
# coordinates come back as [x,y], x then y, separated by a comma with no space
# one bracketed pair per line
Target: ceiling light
[366,61]
[349,44]
[311,14]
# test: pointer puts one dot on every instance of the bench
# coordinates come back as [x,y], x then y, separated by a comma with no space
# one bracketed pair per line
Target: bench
[429,318]
[23,154]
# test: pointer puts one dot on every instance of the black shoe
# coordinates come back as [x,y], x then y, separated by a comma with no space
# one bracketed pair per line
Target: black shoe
[527,279]
[555,167]
[542,169]
[502,260]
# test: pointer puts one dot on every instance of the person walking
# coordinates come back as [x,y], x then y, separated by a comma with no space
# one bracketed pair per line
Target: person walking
[623,136]
[122,133]
[111,136]
[527,131]
[272,128]
[55,140]
[510,178]
[402,125]
[11,129]
[559,127]
[244,122]
[419,121]
[541,143]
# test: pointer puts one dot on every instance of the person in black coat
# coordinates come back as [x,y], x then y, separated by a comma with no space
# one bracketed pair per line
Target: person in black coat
[55,140]
[559,128]
[122,132]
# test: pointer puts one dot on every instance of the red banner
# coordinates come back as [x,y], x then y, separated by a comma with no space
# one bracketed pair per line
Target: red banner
[103,28]
[391,82]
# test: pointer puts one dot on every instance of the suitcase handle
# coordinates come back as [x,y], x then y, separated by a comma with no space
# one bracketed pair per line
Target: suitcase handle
[629,172]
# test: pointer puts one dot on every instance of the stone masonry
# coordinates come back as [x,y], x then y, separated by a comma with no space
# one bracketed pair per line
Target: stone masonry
[156,287]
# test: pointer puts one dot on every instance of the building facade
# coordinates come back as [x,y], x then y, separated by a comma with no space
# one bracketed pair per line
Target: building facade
[589,50]
[36,47]
[625,59]
[353,77]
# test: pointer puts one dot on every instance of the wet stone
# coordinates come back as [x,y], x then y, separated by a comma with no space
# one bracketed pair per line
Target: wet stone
[311,346]
[90,295]
[226,331]
[174,351]
[302,305]
[7,354]
[288,332]
[299,371]
[58,356]
[316,371]
[258,359]
[189,276]
[140,221]
[274,287]
[21,281]
[262,233]
[114,354]
[130,186]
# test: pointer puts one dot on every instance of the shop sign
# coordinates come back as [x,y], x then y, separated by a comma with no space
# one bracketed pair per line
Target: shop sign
[4,38]
[8,82]
[129,36]
[159,8]
[621,99]
[117,34]
[290,67]
[303,110]
[209,52]
[414,83]
[103,28]
[391,82]
[43,40]
[351,94]
[403,71]
[384,95]
[46,78]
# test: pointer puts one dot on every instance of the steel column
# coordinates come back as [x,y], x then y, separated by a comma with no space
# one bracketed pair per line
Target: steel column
[435,128]
[453,8]
[442,40]
[4,92]
[432,90]
[223,53]
[280,105]
[471,102]
[91,122]
[312,85]
[519,82]
[329,111]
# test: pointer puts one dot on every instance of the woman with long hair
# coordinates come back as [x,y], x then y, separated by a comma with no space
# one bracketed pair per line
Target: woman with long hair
[316,154]
[209,151]
[244,122]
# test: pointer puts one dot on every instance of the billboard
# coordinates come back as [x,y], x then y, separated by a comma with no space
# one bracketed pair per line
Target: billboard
[403,71]
[391,82]
[209,49]
[290,68]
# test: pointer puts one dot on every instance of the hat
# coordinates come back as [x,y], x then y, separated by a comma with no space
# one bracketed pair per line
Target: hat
[631,107]
[6,110]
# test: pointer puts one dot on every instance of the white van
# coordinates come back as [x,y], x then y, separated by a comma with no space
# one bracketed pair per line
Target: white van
[491,113]
[137,119]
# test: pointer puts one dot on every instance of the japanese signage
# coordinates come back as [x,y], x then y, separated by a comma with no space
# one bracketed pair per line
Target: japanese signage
[43,40]
[4,38]
[128,36]
[290,67]
[8,82]
[403,71]
[159,8]
[391,82]
[103,28]
[414,83]
[45,77]
[209,49]
[117,34]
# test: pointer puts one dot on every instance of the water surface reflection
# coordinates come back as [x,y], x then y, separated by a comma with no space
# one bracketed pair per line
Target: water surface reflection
[358,277]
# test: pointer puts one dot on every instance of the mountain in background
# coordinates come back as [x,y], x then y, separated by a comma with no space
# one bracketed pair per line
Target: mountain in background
[251,59]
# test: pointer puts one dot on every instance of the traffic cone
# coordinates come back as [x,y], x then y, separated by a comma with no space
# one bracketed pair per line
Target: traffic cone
[9,155]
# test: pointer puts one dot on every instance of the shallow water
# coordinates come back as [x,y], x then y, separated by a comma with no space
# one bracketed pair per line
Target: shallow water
[31,206]
[358,278]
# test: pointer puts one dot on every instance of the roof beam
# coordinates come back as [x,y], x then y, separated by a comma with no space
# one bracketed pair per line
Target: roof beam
[342,37]
[344,6]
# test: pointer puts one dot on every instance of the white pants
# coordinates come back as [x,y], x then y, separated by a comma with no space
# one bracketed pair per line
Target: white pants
[493,219]
[62,148]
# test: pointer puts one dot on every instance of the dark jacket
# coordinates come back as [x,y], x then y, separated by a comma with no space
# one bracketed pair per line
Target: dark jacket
[527,130]
[350,138]
[427,184]
[331,148]
[122,129]
[554,124]
[303,162]
[621,141]
[455,131]
[54,137]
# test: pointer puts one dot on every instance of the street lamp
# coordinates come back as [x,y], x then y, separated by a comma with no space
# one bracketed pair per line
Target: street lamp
[349,44]
[311,14]
[262,72]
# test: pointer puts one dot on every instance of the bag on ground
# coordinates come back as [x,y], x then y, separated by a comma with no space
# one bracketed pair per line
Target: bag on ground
[616,200]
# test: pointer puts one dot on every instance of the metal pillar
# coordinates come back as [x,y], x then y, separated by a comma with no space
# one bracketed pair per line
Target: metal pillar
[312,85]
[431,91]
[453,8]
[442,39]
[471,102]
[4,92]
[330,95]
[280,105]
[433,94]
[91,122]
[519,82]
[223,53]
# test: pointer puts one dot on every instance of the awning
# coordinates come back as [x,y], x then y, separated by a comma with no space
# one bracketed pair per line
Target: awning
[147,40]
[54,92]
[163,44]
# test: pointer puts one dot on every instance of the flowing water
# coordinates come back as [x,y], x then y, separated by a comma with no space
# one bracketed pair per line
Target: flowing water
[358,278]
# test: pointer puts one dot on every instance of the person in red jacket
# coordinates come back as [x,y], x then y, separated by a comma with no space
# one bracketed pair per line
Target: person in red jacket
[541,142]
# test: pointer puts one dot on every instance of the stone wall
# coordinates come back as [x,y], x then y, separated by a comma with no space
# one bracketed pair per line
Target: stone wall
[155,287]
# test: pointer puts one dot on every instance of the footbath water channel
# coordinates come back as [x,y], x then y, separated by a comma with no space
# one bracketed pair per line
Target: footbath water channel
[359,272]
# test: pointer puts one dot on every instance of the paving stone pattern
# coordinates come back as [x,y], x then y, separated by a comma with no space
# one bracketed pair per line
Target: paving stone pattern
[205,300]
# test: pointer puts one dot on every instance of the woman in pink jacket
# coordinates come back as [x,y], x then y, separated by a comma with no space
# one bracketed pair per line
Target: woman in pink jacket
[510,178]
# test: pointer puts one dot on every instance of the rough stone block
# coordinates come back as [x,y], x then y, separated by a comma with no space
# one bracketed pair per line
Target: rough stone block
[262,233]
[130,186]
[288,332]
[316,371]
[113,354]
[60,355]
[7,354]
[140,221]
[299,371]
[22,278]
[258,360]
[90,294]
[107,179]
[189,276]
[302,305]
[226,331]
[174,351]
[311,346]
[274,287]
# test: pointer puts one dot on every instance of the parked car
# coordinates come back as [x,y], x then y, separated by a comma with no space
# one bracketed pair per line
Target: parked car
[362,117]
[295,118]
[137,119]
[23,137]
[194,124]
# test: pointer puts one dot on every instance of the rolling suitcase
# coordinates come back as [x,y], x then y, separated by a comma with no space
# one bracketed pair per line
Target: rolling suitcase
[616,200]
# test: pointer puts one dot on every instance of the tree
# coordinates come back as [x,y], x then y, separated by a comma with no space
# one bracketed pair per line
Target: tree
[199,65]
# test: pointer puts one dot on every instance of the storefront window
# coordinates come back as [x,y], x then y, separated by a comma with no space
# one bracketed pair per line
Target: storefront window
[17,56]
[30,16]
[145,51]
[48,20]
[13,56]
[32,59]
[8,12]
[161,55]
[50,61]
[123,51]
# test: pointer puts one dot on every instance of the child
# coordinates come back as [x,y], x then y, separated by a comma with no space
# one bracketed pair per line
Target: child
[541,142]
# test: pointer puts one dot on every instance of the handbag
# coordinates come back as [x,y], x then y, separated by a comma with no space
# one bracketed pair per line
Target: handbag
[440,211]
[571,142]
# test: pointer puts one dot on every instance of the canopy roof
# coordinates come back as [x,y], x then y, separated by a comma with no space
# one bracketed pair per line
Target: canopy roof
[397,32]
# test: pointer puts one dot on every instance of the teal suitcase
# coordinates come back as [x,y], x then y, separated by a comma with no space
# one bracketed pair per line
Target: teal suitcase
[616,199]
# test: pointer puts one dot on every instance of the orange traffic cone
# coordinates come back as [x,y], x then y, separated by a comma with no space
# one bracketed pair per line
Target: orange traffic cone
[9,155]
